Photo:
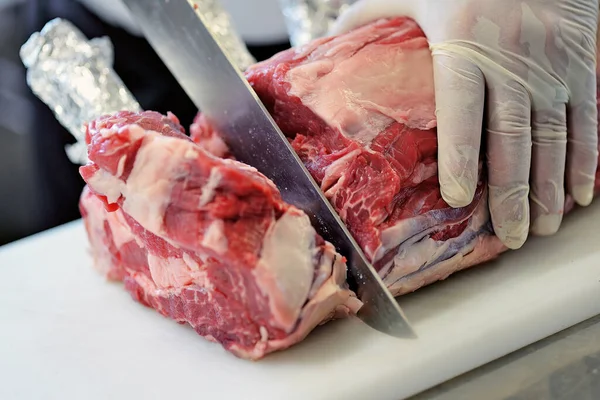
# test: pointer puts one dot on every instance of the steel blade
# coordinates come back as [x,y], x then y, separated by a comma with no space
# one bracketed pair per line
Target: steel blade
[178,33]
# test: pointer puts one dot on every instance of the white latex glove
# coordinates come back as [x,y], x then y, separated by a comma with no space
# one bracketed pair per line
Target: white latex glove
[529,68]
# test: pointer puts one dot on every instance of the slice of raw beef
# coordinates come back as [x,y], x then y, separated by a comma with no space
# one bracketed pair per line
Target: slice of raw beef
[204,240]
[359,110]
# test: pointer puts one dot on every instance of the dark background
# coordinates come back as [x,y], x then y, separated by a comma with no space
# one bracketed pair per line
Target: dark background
[39,186]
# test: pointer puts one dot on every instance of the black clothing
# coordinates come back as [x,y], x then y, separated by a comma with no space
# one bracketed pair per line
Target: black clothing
[39,186]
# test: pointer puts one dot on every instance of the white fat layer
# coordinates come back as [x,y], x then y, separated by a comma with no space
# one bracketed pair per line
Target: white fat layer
[208,190]
[411,258]
[285,270]
[214,145]
[394,235]
[121,166]
[193,265]
[94,221]
[214,237]
[337,168]
[424,171]
[148,189]
[198,273]
[395,281]
[360,95]
[169,272]
[105,132]
[324,269]
[106,184]
[191,154]
[264,334]
[121,232]
[419,255]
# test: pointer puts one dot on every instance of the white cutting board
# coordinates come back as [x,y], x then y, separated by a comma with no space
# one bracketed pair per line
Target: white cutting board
[67,334]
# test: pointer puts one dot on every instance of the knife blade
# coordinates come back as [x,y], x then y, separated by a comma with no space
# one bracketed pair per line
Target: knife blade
[179,34]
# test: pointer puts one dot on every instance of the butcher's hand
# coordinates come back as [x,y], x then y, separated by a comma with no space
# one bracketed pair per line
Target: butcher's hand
[523,72]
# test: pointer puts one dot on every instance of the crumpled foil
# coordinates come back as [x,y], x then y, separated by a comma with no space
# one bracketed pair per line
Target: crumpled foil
[74,77]
[219,23]
[307,20]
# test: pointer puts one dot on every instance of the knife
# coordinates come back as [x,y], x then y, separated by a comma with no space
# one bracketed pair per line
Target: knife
[179,34]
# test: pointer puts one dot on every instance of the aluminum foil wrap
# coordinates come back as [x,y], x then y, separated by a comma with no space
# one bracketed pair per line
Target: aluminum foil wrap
[307,20]
[219,23]
[74,77]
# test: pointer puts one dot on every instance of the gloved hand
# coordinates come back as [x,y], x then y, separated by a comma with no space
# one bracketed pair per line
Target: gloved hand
[529,68]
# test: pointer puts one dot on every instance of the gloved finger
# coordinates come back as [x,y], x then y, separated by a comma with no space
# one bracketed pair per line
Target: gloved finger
[548,157]
[508,156]
[459,98]
[582,142]
[364,11]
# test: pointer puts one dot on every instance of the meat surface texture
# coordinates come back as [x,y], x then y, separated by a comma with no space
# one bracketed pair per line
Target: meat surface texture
[208,241]
[203,240]
[359,110]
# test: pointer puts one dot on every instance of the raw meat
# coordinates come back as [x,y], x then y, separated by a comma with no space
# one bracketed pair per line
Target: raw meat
[203,240]
[359,110]
[208,241]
